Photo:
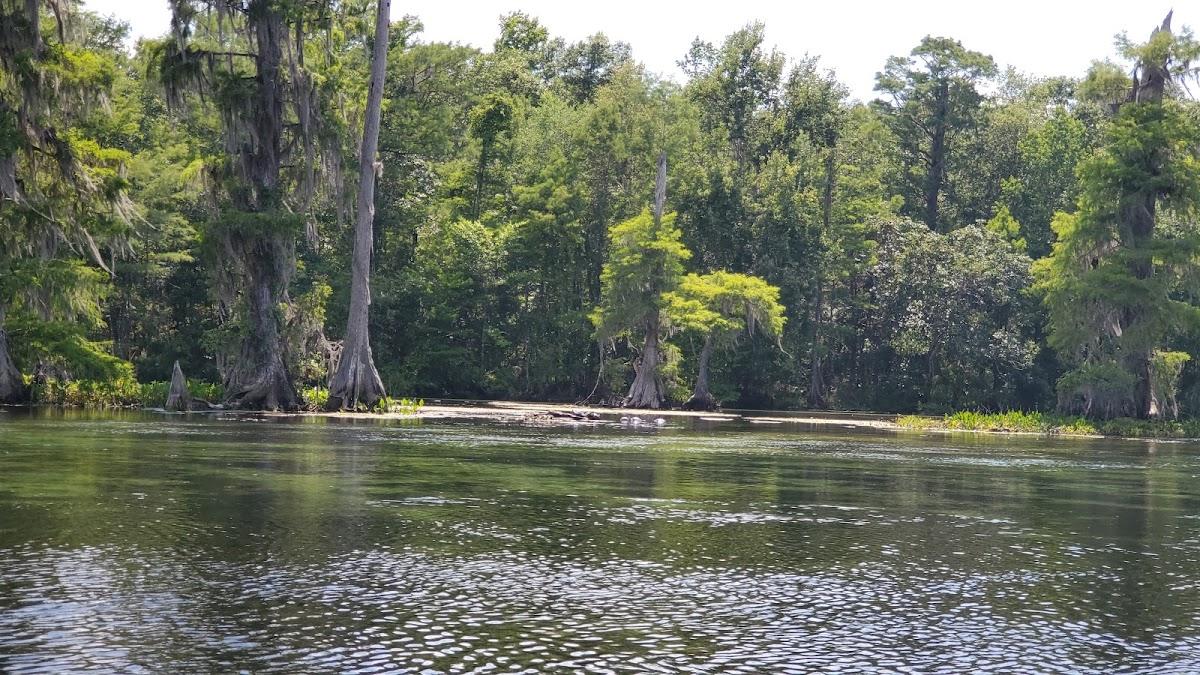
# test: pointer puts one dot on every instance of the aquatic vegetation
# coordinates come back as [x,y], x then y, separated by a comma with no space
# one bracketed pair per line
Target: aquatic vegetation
[315,398]
[1011,421]
[404,406]
[917,422]
[1017,421]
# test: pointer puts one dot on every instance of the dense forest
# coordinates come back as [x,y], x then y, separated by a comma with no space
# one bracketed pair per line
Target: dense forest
[547,220]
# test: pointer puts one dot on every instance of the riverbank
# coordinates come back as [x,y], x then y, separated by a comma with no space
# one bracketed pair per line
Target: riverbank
[522,412]
[1006,423]
[130,394]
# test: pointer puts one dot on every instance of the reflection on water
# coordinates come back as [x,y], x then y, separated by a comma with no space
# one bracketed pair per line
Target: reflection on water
[182,544]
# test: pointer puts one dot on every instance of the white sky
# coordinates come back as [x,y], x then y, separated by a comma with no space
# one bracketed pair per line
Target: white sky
[853,37]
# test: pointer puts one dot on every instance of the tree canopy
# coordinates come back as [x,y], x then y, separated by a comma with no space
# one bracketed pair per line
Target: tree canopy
[976,237]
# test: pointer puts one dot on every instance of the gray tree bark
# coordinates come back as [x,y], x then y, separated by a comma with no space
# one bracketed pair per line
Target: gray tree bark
[937,157]
[1139,216]
[356,381]
[260,380]
[702,398]
[647,390]
[179,399]
[12,385]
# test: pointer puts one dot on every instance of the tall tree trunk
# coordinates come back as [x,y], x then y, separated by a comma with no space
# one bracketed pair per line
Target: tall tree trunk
[260,380]
[648,390]
[937,157]
[1139,217]
[12,384]
[702,398]
[356,380]
[264,159]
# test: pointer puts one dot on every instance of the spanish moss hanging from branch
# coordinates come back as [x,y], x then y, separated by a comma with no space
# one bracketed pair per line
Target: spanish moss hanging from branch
[246,60]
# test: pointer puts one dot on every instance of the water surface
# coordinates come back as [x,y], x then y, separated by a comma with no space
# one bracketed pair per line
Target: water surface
[137,542]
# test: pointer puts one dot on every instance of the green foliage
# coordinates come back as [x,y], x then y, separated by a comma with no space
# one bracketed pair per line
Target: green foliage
[1045,181]
[1111,283]
[615,374]
[454,313]
[1042,423]
[721,307]
[645,261]
[933,99]
[732,84]
[1106,84]
[253,224]
[64,347]
[525,36]
[114,393]
[727,304]
[949,322]
[511,231]
[671,369]
[64,211]
[406,406]
[917,422]
[401,406]
[1166,368]
[1125,427]
[315,398]
[588,65]
[1103,389]
[1007,227]
[308,349]
[63,289]
[1009,421]
[119,392]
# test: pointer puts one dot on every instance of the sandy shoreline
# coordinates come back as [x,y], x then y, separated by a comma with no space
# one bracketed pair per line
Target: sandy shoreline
[551,414]
[538,414]
[545,413]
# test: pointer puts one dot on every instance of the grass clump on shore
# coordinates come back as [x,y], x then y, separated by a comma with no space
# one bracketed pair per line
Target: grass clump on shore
[1012,421]
[1016,421]
[1009,421]
[315,399]
[1019,421]
[404,406]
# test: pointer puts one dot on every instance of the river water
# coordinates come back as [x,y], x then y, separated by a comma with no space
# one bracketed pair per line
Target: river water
[135,542]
